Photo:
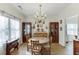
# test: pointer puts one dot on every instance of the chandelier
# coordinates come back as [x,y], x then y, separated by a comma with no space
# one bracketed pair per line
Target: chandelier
[39,17]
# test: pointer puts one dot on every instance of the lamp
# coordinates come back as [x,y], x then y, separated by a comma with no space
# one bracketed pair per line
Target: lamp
[39,17]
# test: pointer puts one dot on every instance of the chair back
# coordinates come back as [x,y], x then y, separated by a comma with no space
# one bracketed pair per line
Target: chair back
[34,44]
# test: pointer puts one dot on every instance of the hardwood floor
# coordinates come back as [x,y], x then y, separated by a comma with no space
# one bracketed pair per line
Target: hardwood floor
[56,49]
[22,50]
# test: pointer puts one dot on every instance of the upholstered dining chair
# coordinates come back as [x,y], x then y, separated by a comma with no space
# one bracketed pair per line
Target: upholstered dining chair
[35,47]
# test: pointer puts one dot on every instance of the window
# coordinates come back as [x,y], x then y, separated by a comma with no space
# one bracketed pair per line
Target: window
[72,29]
[4,30]
[27,29]
[9,29]
[14,28]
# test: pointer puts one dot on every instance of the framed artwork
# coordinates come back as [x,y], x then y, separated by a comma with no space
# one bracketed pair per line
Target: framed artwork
[38,29]
[43,22]
[42,30]
[46,27]
[33,26]
[40,21]
[37,25]
[60,21]
[60,28]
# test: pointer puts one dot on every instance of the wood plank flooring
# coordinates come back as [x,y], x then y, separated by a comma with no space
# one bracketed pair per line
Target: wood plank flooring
[56,49]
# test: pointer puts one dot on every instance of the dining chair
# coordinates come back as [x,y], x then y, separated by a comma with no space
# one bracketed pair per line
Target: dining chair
[47,48]
[28,42]
[35,47]
[28,45]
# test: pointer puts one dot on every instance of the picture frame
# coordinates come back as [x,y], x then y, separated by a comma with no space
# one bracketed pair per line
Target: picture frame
[60,21]
[42,30]
[60,28]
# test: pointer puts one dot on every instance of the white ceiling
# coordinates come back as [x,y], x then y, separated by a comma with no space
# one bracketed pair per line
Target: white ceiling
[51,9]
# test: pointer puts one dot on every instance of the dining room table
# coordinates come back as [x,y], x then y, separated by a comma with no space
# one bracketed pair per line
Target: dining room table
[42,40]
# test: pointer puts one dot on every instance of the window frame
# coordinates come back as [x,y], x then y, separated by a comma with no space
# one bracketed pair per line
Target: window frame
[73,30]
[9,26]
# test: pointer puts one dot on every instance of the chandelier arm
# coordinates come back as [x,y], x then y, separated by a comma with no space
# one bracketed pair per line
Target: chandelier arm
[40,19]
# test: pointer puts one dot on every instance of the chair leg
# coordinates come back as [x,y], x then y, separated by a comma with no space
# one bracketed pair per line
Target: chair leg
[32,53]
[27,49]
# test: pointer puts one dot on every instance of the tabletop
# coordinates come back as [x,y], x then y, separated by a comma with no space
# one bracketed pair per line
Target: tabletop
[41,40]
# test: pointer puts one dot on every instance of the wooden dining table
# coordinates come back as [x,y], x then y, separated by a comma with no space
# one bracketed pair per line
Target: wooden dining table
[42,40]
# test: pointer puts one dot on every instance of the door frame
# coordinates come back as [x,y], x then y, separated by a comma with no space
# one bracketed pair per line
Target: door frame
[50,29]
[23,24]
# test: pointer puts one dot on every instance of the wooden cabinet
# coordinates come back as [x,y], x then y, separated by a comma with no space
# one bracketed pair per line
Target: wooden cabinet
[11,44]
[76,47]
[54,31]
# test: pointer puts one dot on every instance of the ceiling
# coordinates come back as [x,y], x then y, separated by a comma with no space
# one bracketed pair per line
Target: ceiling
[51,9]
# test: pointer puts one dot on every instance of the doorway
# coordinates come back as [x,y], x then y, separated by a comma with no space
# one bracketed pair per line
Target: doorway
[26,31]
[54,32]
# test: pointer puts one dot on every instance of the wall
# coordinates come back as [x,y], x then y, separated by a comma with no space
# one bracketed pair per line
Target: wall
[10,9]
[71,20]
[62,32]
[13,11]
[71,10]
[47,21]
